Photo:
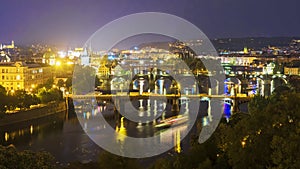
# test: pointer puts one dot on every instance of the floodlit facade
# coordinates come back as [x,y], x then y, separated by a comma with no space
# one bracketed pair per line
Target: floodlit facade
[23,76]
[291,70]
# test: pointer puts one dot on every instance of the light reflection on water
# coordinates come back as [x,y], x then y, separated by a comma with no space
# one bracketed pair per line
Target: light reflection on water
[67,141]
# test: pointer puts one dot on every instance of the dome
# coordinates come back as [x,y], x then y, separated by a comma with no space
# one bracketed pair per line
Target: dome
[49,54]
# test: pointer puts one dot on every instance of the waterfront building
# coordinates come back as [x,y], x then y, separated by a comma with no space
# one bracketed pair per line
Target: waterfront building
[23,76]
[292,70]
[103,71]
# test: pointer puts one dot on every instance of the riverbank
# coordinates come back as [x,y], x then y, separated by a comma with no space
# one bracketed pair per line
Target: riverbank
[39,112]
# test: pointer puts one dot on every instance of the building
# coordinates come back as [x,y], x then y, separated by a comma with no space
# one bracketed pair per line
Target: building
[103,71]
[291,70]
[23,76]
[11,46]
[49,57]
[4,56]
[85,58]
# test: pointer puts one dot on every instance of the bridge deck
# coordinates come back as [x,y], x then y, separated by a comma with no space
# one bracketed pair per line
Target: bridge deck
[158,96]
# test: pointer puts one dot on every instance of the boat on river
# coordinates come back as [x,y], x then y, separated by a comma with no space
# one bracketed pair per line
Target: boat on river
[172,121]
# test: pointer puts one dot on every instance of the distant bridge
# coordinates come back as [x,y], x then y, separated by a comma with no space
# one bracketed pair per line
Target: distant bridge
[146,95]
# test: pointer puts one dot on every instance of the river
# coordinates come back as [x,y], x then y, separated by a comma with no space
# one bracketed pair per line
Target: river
[64,137]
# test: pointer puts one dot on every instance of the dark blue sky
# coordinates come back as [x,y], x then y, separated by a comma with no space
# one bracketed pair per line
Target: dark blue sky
[69,22]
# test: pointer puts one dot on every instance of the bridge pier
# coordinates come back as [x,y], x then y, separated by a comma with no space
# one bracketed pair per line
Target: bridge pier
[141,105]
[175,105]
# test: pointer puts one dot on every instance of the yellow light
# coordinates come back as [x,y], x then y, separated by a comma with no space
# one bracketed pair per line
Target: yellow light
[58,63]
[62,54]
[88,115]
[177,142]
[6,136]
[243,144]
[78,49]
[121,132]
[31,129]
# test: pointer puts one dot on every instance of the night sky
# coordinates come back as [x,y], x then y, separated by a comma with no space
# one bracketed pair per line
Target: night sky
[71,22]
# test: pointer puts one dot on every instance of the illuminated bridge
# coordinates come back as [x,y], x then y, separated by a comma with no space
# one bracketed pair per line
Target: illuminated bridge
[155,96]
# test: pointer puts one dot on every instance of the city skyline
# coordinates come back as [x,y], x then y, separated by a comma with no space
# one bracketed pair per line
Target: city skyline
[149,84]
[72,22]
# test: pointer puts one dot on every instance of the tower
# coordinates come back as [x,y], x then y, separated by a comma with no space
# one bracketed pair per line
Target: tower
[245,50]
[85,58]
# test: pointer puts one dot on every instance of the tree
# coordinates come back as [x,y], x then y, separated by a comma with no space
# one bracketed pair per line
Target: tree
[69,83]
[3,90]
[83,80]
[3,100]
[11,158]
[53,94]
[3,103]
[269,136]
[60,83]
[25,100]
[294,83]
[48,84]
[111,161]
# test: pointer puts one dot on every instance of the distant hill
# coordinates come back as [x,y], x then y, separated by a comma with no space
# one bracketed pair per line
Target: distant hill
[253,43]
[159,45]
[235,44]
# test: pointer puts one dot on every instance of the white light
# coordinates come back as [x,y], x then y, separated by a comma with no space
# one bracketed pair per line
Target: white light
[62,54]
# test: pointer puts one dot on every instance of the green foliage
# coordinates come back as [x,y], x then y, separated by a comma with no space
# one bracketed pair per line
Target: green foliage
[60,83]
[194,64]
[84,80]
[269,138]
[207,164]
[25,100]
[294,83]
[49,83]
[2,90]
[278,67]
[162,163]
[68,84]
[111,161]
[11,159]
[78,165]
[53,94]
[3,102]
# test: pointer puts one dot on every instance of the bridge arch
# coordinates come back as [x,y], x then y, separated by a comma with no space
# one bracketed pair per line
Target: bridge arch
[277,80]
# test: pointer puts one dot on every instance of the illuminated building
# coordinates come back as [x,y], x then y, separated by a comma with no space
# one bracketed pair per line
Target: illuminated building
[246,50]
[12,46]
[49,57]
[103,71]
[4,56]
[291,70]
[23,76]
[85,58]
[268,69]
